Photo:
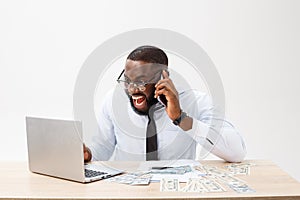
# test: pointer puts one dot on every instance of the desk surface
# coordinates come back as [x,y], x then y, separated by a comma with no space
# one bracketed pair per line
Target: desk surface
[17,182]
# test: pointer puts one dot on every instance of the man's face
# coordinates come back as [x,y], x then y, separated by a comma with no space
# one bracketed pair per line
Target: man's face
[139,71]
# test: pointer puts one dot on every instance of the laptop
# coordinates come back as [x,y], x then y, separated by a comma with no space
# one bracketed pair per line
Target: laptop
[55,148]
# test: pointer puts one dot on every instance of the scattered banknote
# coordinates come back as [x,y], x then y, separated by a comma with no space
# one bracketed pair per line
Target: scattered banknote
[241,188]
[194,185]
[202,185]
[169,185]
[227,176]
[239,168]
[240,164]
[172,170]
[204,168]
[218,172]
[210,170]
[125,179]
[132,179]
[142,180]
[229,179]
[211,185]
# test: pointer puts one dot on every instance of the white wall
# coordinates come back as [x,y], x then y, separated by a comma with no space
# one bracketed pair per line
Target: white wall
[255,45]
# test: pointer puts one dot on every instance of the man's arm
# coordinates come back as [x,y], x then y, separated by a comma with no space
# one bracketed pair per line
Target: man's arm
[204,122]
[103,141]
[211,129]
[219,137]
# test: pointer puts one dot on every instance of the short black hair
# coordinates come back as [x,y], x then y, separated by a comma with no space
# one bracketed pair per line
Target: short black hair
[149,54]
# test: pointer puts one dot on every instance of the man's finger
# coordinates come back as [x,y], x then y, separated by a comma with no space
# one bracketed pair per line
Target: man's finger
[160,92]
[162,85]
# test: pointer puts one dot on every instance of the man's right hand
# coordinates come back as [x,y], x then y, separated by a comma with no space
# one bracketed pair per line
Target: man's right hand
[87,154]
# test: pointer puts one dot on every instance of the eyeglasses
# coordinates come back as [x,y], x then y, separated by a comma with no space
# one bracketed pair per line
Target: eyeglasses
[140,85]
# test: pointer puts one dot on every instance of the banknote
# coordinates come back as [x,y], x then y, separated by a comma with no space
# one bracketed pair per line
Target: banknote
[204,168]
[239,168]
[211,185]
[222,175]
[240,164]
[194,185]
[245,170]
[229,179]
[201,185]
[172,170]
[241,188]
[125,179]
[141,180]
[132,179]
[169,185]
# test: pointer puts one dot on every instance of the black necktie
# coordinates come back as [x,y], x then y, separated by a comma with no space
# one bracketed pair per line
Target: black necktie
[151,140]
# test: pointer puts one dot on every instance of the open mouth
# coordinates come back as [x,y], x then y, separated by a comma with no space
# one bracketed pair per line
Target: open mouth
[139,101]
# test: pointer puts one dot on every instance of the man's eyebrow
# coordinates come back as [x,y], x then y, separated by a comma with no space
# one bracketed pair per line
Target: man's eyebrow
[136,78]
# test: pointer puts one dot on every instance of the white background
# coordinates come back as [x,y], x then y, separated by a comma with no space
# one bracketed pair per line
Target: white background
[255,46]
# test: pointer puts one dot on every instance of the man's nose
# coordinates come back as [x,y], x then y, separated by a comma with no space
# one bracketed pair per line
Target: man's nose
[133,89]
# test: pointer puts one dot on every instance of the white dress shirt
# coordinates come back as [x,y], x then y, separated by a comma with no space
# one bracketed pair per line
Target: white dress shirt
[122,132]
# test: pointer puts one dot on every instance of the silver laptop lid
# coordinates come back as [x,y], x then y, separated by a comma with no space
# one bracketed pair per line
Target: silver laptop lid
[55,148]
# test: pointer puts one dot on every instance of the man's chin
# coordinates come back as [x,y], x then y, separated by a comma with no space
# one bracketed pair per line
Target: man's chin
[140,111]
[144,111]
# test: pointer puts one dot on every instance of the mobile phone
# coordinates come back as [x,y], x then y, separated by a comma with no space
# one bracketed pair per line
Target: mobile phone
[162,99]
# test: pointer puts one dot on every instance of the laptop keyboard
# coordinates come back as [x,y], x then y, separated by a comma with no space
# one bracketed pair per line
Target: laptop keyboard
[91,173]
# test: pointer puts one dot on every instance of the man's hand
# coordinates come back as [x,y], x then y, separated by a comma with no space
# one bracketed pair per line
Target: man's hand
[87,154]
[166,87]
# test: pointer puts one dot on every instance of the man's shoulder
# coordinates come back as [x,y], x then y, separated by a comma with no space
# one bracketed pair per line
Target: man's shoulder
[195,97]
[113,99]
[109,95]
[106,101]
[193,93]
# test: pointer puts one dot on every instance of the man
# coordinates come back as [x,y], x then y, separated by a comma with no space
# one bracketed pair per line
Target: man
[162,121]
